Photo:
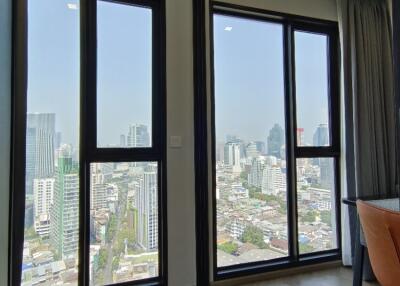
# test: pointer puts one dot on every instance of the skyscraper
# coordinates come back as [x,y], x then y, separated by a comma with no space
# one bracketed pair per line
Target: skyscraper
[321,135]
[44,126]
[147,204]
[300,136]
[251,150]
[255,149]
[138,136]
[232,155]
[30,159]
[57,140]
[256,172]
[320,138]
[122,140]
[97,188]
[233,138]
[276,139]
[260,147]
[39,147]
[326,173]
[43,192]
[273,181]
[64,214]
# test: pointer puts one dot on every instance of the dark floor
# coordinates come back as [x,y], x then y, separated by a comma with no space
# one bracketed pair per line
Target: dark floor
[339,276]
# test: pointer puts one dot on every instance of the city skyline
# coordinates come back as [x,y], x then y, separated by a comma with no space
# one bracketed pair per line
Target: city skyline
[53,84]
[124,229]
[251,179]
[123,211]
[249,78]
[320,136]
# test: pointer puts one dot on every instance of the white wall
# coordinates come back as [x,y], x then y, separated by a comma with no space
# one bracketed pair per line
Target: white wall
[5,117]
[322,9]
[181,197]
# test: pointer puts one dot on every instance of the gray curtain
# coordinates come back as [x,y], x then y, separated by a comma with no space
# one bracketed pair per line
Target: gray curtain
[369,106]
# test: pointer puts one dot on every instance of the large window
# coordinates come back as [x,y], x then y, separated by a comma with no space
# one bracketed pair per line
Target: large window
[94,138]
[250,140]
[52,183]
[276,151]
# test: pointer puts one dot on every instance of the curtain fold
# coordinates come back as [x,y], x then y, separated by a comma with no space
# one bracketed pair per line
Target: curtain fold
[369,141]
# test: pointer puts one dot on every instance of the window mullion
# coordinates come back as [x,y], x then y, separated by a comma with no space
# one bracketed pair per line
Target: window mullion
[87,131]
[290,111]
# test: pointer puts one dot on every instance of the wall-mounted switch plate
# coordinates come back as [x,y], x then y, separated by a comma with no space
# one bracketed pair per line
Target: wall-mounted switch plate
[175,141]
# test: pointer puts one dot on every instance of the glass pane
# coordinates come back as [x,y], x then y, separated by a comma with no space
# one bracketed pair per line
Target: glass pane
[311,53]
[50,255]
[316,204]
[124,75]
[250,141]
[123,222]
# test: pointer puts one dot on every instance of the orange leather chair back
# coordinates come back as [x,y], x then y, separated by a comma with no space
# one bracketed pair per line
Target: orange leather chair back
[382,232]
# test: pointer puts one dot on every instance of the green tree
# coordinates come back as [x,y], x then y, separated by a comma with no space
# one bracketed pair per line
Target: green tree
[228,247]
[115,263]
[254,235]
[123,233]
[243,176]
[111,228]
[305,248]
[102,258]
[282,207]
[326,217]
[30,233]
[309,216]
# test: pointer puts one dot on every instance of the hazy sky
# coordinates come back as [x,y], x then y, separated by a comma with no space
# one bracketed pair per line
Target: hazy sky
[53,63]
[248,66]
[249,81]
[124,69]
[124,66]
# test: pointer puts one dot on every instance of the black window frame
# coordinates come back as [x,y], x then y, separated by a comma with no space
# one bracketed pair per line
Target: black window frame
[290,24]
[88,150]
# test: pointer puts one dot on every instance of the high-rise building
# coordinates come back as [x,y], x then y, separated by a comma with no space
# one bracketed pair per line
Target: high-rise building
[326,173]
[283,152]
[260,147]
[64,214]
[276,139]
[320,138]
[232,155]
[256,172]
[39,147]
[321,135]
[147,204]
[300,136]
[98,196]
[138,136]
[273,181]
[219,151]
[43,191]
[30,159]
[44,125]
[271,160]
[233,138]
[251,150]
[57,140]
[122,140]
